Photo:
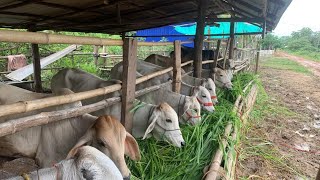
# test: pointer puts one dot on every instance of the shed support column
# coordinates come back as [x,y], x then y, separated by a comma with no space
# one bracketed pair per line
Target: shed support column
[36,67]
[198,42]
[231,45]
[177,67]
[259,46]
[216,55]
[128,81]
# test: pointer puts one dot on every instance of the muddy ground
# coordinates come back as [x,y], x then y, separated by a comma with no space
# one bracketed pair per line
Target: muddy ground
[294,138]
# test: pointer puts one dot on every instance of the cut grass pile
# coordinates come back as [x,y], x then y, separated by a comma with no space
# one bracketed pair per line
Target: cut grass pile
[285,64]
[163,161]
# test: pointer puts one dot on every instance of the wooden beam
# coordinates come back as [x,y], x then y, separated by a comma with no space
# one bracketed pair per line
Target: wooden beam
[128,77]
[177,67]
[236,19]
[198,43]
[231,48]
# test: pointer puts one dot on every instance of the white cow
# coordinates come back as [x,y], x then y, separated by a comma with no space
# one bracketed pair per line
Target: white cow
[221,79]
[51,143]
[87,163]
[165,61]
[145,68]
[187,107]
[148,121]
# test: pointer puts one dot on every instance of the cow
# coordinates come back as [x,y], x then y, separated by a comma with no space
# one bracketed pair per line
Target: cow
[151,120]
[145,68]
[187,54]
[221,79]
[51,143]
[187,107]
[86,163]
[167,62]
[205,82]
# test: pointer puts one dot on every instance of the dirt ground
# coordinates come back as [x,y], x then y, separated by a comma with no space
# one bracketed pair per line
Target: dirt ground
[296,138]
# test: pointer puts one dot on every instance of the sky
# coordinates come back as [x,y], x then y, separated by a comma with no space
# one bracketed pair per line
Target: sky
[299,14]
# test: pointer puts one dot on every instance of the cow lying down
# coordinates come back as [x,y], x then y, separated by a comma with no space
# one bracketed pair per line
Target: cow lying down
[159,121]
[86,163]
[51,143]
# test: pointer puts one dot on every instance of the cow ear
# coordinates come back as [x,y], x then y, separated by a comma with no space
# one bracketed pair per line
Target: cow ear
[203,82]
[215,70]
[84,140]
[132,148]
[153,120]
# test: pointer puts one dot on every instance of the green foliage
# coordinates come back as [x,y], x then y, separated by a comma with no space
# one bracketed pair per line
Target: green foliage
[286,64]
[271,42]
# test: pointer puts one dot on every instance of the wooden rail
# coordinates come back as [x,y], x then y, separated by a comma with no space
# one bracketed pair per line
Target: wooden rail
[46,38]
[15,125]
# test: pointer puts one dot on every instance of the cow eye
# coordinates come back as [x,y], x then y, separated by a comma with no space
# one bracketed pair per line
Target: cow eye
[210,89]
[196,110]
[221,75]
[204,96]
[168,120]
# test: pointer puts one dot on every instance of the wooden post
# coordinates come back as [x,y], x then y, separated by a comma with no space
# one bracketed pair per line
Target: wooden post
[259,46]
[104,50]
[177,67]
[96,54]
[318,176]
[198,42]
[36,67]
[128,81]
[216,55]
[231,48]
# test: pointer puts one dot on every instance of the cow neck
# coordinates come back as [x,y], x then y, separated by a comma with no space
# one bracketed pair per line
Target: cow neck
[182,102]
[143,116]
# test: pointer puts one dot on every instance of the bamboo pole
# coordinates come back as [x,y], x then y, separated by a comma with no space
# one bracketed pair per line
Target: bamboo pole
[212,173]
[26,106]
[186,63]
[16,125]
[46,38]
[152,75]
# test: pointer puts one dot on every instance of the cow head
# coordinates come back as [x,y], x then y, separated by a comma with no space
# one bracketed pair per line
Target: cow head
[163,123]
[211,87]
[192,110]
[93,164]
[110,137]
[204,98]
[221,78]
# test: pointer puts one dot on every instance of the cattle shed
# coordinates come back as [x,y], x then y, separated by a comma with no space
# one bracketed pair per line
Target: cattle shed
[118,17]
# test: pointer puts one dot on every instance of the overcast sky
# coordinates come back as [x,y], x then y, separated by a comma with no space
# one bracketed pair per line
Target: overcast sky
[300,13]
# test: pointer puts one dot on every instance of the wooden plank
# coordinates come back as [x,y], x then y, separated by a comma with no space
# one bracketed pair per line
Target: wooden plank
[36,67]
[177,67]
[199,37]
[128,79]
[25,71]
[96,54]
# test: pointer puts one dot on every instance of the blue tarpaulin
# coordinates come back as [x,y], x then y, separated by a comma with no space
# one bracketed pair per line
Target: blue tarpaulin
[172,32]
